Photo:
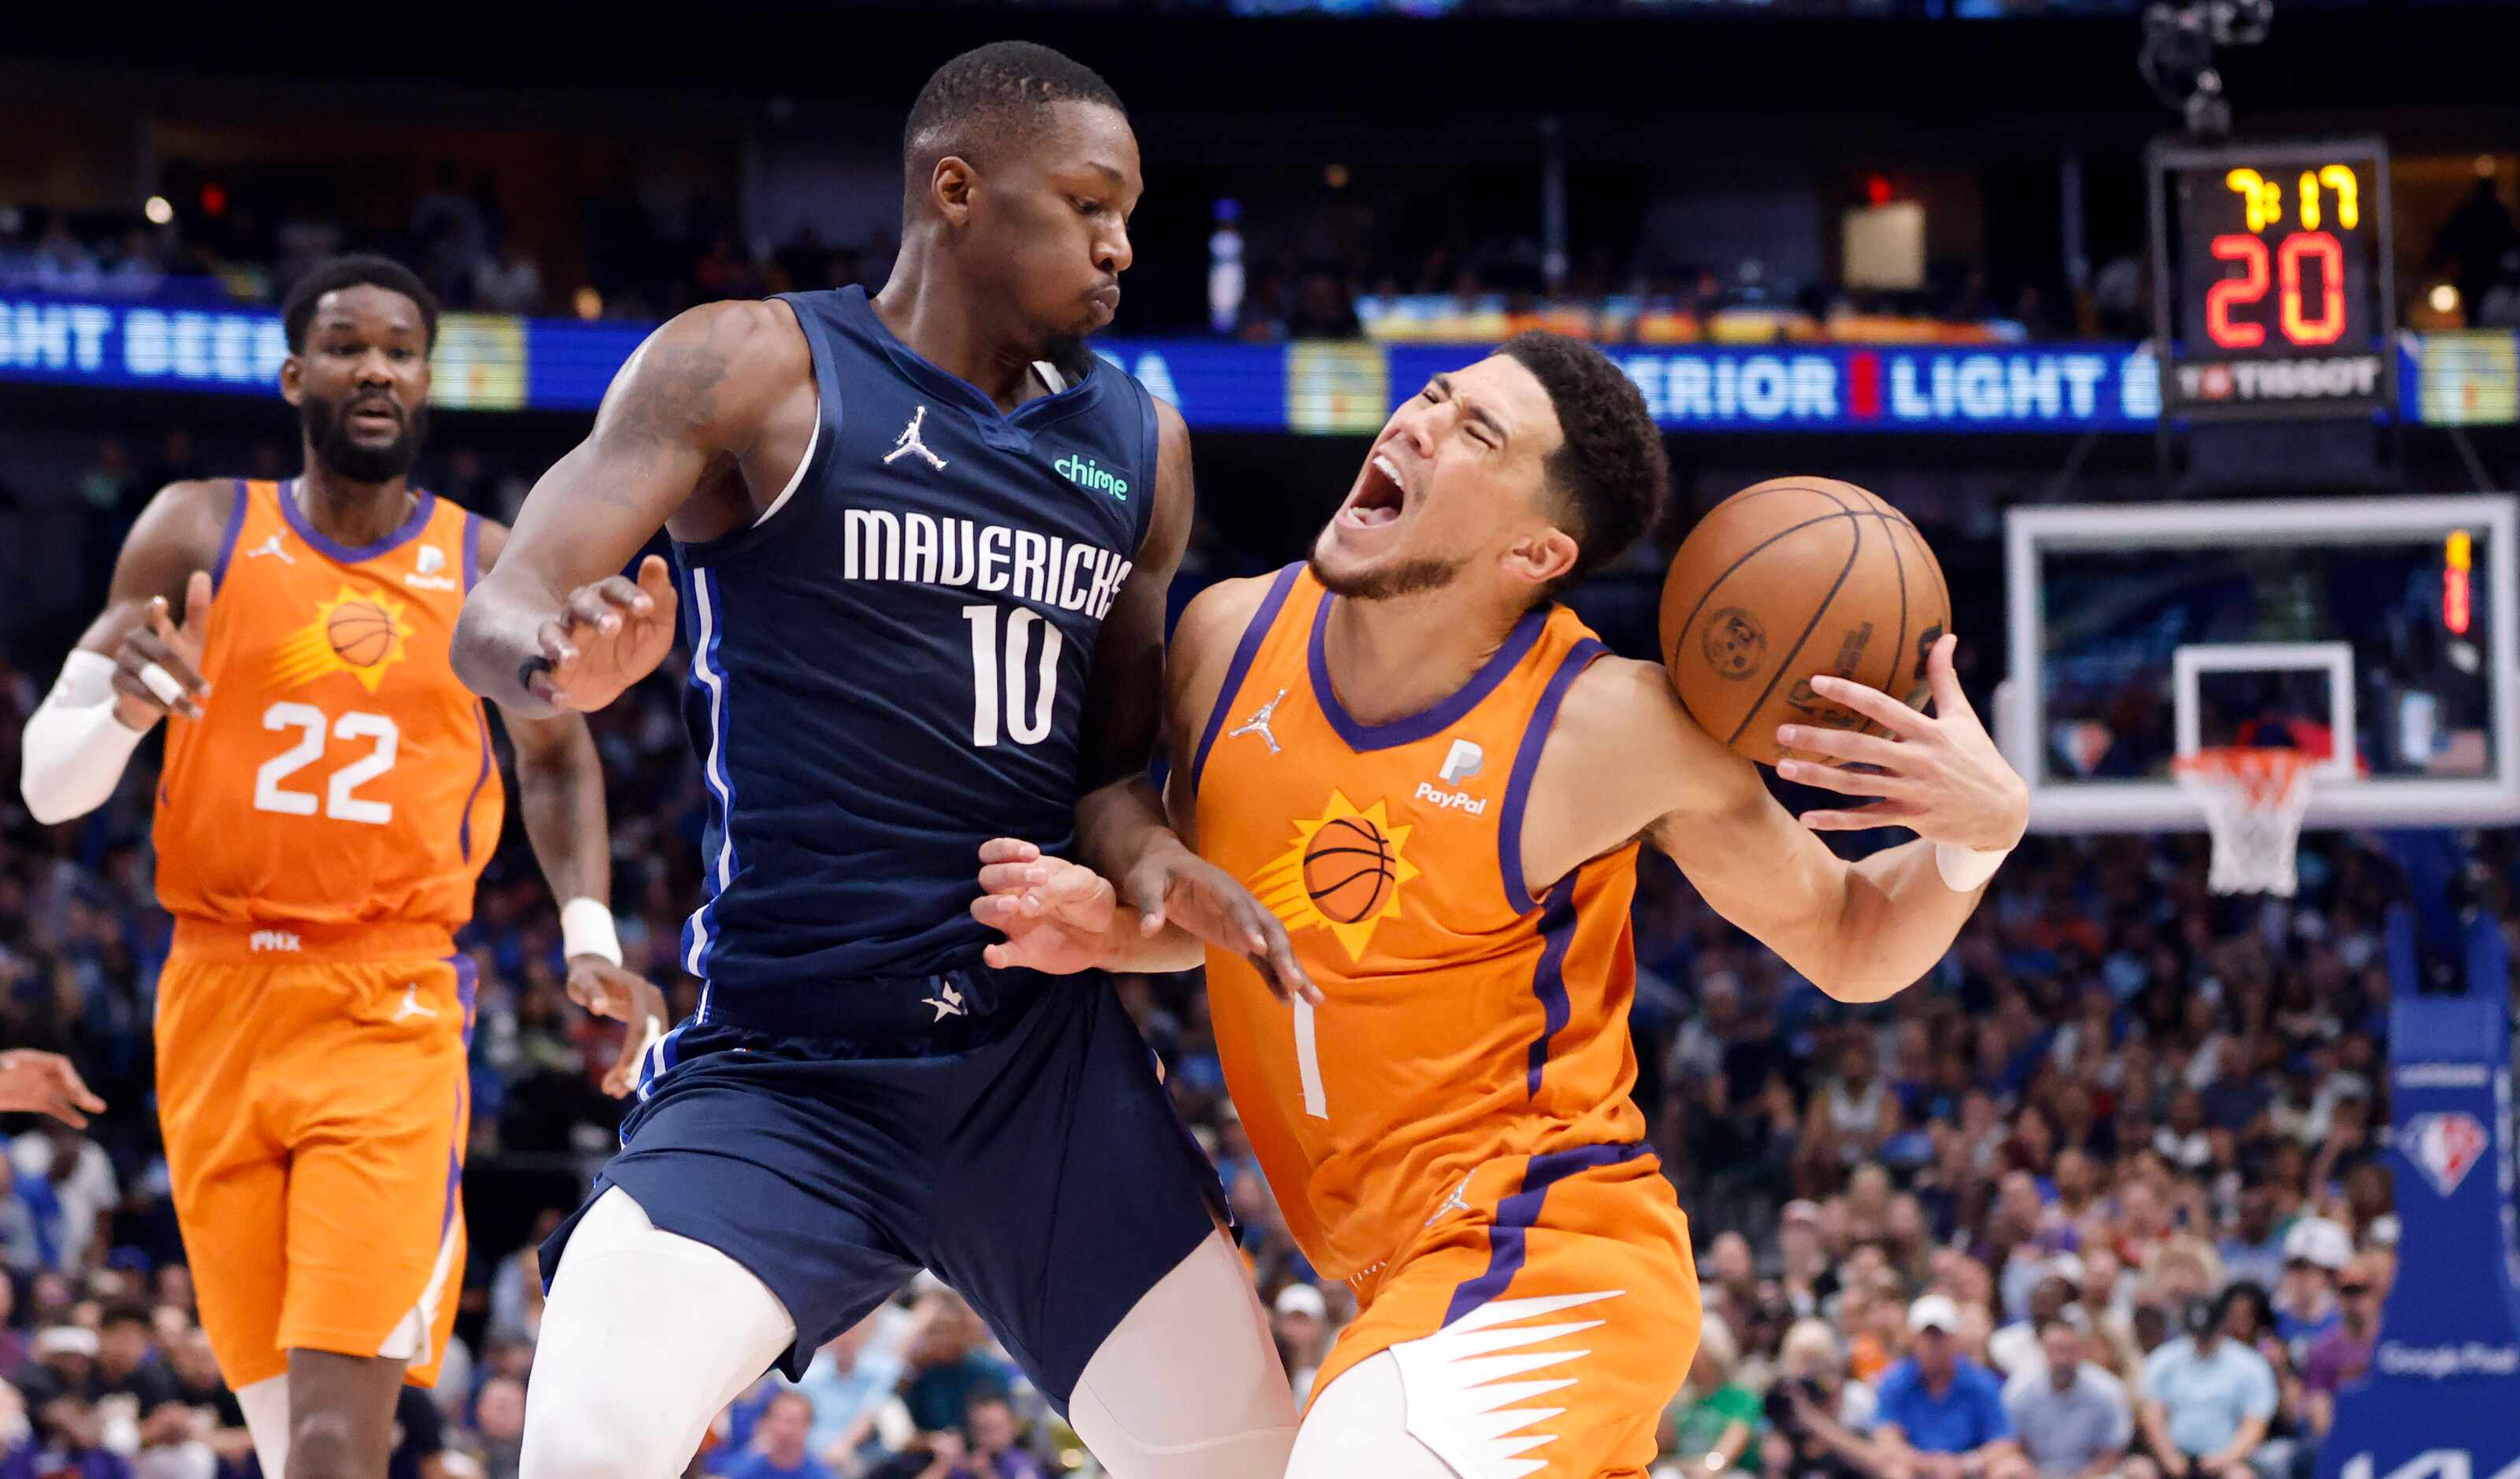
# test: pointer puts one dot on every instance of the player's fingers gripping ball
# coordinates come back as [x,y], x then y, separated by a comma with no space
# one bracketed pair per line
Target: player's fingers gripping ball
[1790,579]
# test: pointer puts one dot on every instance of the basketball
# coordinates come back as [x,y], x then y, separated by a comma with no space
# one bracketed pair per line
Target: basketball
[1347,870]
[1791,578]
[361,633]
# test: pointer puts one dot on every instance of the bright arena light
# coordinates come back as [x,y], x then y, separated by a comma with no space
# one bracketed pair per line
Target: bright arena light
[158,211]
[2443,299]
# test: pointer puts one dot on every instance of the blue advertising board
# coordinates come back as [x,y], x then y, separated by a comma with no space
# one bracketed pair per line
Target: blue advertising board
[496,362]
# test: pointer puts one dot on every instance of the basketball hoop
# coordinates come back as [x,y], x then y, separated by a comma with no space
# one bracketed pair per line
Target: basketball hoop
[2254,797]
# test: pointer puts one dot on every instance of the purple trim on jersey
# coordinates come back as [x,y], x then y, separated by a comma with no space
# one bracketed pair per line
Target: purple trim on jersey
[471,550]
[1240,668]
[1549,976]
[467,980]
[1426,722]
[1515,1215]
[227,540]
[464,832]
[1526,763]
[420,509]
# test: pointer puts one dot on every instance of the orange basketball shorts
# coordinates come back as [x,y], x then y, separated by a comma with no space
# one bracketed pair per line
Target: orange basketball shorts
[312,1092]
[1558,1285]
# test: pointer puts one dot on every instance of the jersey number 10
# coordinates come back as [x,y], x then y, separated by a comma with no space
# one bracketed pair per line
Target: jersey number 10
[1025,723]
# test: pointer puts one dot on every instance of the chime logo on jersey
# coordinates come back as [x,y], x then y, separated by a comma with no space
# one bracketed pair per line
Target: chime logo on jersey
[1343,872]
[2445,1146]
[353,633]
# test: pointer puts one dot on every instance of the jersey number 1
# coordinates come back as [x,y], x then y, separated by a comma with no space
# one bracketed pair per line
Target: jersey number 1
[1025,724]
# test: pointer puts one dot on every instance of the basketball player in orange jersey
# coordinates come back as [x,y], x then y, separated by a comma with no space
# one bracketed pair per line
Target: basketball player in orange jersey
[1439,781]
[328,799]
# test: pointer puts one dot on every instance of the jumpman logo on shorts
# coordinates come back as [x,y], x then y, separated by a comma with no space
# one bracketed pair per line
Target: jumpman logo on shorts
[909,441]
[1454,1202]
[1258,723]
[411,1006]
[270,545]
[951,1003]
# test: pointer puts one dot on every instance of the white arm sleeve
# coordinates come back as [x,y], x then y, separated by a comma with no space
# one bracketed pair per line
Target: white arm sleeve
[75,746]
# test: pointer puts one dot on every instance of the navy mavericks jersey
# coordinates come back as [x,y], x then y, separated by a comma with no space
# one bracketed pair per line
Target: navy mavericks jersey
[889,667]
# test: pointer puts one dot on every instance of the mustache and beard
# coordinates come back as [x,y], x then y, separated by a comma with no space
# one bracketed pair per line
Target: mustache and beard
[328,432]
[1410,577]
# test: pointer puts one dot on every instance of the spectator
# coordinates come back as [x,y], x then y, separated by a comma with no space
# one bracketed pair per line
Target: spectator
[516,1289]
[1712,1424]
[499,1417]
[1300,1320]
[1941,1413]
[217,1420]
[508,281]
[2473,241]
[2018,1347]
[2206,1400]
[2343,1355]
[2253,1250]
[2315,1250]
[64,1367]
[777,1447]
[950,1368]
[853,1375]
[992,1452]
[80,1178]
[2072,1416]
[934,1456]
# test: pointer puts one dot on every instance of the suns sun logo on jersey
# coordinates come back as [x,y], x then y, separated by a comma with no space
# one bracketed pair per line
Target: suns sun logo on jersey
[1343,872]
[361,635]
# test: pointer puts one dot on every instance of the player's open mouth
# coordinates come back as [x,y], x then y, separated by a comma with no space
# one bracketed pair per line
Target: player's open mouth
[1380,496]
[376,415]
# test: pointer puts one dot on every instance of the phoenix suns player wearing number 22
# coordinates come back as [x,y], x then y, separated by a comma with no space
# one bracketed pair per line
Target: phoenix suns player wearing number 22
[1439,781]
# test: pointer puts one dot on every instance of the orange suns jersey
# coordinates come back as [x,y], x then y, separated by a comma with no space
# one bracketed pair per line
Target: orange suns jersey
[340,774]
[1466,1020]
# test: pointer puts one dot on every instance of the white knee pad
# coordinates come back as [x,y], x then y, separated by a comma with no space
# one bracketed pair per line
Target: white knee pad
[1188,1386]
[1357,1428]
[646,1336]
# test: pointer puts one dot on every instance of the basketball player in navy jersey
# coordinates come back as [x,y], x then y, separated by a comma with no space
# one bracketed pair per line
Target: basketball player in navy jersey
[922,542]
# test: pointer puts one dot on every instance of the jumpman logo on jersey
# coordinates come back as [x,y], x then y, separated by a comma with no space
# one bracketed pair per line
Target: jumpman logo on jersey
[1258,723]
[1454,1202]
[948,1001]
[411,1006]
[909,441]
[270,545]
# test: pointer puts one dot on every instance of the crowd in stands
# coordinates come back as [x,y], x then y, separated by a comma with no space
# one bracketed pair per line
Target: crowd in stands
[2101,1194]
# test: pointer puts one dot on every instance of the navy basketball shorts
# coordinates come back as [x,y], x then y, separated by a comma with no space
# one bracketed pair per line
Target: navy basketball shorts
[1029,1156]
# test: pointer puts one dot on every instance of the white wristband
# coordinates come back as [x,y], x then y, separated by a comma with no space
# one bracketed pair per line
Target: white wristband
[586,929]
[1965,870]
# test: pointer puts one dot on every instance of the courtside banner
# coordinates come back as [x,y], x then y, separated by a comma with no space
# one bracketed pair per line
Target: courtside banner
[493,362]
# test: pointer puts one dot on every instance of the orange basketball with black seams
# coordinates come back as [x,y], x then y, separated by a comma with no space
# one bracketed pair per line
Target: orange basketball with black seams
[1788,579]
[1347,870]
[362,634]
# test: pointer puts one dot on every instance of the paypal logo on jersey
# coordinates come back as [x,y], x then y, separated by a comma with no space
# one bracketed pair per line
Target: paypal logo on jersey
[1084,473]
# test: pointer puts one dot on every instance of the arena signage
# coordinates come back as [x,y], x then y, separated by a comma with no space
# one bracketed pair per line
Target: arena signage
[487,362]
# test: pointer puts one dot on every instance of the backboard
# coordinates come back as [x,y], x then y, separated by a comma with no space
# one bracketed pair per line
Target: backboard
[2378,633]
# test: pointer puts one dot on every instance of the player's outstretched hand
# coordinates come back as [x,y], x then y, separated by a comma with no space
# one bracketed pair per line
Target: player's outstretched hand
[1941,776]
[608,636]
[626,997]
[45,1082]
[157,667]
[1057,916]
[1175,886]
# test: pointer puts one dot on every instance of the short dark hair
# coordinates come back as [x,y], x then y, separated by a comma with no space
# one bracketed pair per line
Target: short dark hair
[993,96]
[1609,472]
[361,270]
[123,1312]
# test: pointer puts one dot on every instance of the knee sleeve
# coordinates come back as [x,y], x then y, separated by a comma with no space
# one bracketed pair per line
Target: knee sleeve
[1188,1386]
[646,1336]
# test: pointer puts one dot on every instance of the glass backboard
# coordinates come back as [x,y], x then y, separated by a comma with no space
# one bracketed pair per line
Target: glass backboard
[2375,632]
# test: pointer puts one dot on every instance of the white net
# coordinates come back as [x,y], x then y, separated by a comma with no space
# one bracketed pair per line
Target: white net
[2254,799]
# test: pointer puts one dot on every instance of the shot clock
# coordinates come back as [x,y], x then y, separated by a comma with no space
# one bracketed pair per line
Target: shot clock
[2271,283]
